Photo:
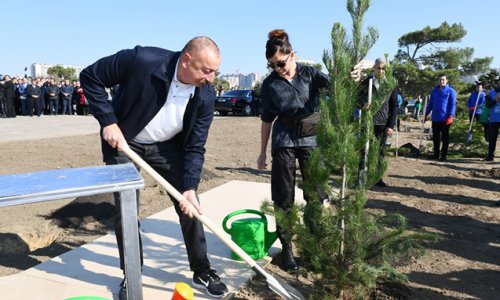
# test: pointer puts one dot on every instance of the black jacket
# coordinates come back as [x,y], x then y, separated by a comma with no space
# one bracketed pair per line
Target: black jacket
[33,91]
[279,97]
[53,89]
[386,115]
[144,75]
[9,91]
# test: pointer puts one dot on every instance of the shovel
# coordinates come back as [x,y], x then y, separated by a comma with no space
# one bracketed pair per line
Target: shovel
[364,169]
[468,138]
[422,128]
[397,138]
[280,287]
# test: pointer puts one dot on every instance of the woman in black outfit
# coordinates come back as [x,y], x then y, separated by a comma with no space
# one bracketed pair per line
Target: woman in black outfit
[288,94]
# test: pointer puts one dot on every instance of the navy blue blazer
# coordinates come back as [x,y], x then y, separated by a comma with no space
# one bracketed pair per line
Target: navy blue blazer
[144,75]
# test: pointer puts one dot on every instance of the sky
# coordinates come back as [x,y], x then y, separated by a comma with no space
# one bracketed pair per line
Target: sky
[80,32]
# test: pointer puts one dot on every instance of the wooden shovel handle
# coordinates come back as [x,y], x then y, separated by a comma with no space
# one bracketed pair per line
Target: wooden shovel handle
[179,197]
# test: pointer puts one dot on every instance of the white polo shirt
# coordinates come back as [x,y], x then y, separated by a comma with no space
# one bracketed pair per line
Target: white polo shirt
[168,121]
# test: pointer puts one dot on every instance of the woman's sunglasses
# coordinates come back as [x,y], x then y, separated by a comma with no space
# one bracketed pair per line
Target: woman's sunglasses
[279,64]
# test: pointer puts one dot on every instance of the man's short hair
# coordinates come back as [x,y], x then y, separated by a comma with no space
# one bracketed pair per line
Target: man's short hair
[441,75]
[198,43]
[379,61]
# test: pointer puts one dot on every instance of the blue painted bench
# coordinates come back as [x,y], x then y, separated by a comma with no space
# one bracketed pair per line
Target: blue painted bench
[27,188]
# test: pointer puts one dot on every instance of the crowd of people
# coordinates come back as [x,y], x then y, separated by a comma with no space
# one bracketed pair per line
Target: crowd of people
[29,96]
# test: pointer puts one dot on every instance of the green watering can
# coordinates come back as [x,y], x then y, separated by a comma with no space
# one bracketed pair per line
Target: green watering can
[250,234]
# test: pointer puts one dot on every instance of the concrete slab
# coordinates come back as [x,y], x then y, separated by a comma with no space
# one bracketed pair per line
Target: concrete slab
[24,128]
[93,269]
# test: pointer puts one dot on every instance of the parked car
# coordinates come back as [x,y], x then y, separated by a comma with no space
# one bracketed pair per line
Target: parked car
[411,105]
[236,102]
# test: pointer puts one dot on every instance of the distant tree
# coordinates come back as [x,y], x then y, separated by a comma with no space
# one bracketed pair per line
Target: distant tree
[489,79]
[478,65]
[457,58]
[419,60]
[256,89]
[220,84]
[60,72]
[416,41]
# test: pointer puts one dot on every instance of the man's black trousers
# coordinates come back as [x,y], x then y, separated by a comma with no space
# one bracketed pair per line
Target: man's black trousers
[166,159]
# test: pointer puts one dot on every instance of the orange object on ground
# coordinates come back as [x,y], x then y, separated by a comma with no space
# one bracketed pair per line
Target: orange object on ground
[182,292]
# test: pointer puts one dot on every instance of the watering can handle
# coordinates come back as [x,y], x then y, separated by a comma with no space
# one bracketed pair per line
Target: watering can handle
[239,212]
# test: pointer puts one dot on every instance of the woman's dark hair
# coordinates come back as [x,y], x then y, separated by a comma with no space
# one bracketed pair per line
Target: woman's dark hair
[277,42]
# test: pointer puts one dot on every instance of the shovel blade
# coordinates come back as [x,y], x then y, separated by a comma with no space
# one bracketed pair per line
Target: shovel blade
[278,286]
[468,138]
[283,289]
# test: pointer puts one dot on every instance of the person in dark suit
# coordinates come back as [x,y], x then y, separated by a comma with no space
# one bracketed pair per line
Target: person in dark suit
[53,93]
[34,93]
[163,109]
[67,92]
[384,119]
[9,96]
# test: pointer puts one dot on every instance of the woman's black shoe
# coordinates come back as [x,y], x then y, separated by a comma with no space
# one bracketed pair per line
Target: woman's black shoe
[289,262]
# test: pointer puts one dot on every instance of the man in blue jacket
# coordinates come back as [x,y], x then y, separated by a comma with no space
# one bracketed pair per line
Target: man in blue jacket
[163,109]
[442,103]
[475,102]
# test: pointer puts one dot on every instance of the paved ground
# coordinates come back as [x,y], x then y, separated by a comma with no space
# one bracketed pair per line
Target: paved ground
[30,128]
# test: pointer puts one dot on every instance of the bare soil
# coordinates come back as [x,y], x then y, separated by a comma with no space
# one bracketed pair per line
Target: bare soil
[457,198]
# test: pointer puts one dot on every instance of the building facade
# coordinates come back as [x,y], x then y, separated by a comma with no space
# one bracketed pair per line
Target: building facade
[40,69]
[242,81]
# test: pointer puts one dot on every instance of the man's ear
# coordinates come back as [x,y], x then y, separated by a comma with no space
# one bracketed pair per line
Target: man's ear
[185,59]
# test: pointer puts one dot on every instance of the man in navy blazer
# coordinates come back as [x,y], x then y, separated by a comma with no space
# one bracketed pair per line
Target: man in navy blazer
[163,109]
